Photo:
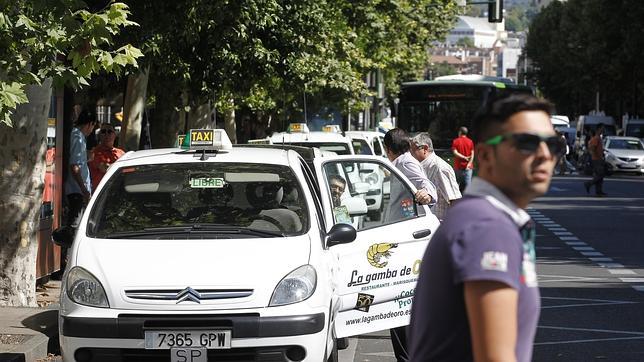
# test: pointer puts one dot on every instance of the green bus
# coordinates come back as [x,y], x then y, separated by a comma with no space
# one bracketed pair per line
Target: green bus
[443,105]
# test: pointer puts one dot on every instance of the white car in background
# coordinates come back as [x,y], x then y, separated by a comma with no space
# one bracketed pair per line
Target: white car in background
[624,154]
[213,253]
[331,139]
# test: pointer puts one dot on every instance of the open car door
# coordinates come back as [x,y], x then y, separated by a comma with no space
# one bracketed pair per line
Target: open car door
[377,272]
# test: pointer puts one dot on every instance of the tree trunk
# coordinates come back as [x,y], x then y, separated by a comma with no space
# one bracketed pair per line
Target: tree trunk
[229,122]
[199,117]
[22,161]
[133,108]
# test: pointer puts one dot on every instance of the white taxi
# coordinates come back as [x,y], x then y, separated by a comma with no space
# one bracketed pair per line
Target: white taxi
[215,253]
[331,139]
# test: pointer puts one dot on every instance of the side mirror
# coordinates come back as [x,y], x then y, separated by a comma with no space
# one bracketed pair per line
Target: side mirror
[356,206]
[340,234]
[63,236]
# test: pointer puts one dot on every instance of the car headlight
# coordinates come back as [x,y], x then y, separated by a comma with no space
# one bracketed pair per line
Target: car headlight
[297,286]
[83,288]
[371,179]
[610,157]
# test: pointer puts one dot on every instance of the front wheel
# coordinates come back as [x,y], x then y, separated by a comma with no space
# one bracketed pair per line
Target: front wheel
[333,356]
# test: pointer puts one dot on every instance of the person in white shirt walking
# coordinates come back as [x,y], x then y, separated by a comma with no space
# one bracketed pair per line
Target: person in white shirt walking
[439,172]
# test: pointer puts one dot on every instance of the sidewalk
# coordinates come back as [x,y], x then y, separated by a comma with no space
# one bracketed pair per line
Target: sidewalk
[27,334]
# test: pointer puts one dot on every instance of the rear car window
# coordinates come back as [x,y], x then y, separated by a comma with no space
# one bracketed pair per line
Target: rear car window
[200,200]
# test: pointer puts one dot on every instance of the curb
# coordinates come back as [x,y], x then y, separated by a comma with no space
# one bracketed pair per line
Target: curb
[25,333]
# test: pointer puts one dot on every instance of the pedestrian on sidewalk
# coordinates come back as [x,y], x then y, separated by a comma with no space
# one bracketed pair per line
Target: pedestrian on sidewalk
[104,154]
[596,150]
[439,172]
[78,185]
[463,151]
[477,297]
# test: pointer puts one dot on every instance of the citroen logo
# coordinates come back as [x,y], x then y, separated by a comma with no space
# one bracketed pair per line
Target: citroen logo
[188,294]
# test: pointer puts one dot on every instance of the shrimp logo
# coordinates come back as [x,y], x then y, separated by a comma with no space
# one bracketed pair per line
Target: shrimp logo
[378,253]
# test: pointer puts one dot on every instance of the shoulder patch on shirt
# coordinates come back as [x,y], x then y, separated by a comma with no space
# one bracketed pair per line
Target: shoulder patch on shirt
[494,260]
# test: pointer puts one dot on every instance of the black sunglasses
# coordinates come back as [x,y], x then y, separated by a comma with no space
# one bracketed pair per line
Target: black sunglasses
[103,131]
[528,143]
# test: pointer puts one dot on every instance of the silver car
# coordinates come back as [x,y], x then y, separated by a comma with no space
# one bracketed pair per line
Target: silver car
[625,154]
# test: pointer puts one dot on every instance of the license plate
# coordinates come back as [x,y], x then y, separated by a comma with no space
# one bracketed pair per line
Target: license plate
[188,355]
[186,339]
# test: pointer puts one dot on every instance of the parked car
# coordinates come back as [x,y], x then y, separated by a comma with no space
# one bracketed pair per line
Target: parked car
[220,253]
[624,154]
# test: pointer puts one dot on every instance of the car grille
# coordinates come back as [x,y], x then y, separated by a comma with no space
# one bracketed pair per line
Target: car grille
[628,159]
[181,294]
[264,354]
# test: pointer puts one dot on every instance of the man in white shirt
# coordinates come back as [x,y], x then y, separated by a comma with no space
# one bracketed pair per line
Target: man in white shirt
[396,143]
[439,172]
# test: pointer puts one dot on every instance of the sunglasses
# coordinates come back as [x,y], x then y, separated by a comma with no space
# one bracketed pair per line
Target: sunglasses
[528,143]
[103,131]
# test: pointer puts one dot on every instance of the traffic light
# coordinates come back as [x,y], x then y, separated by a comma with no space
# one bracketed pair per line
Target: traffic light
[495,11]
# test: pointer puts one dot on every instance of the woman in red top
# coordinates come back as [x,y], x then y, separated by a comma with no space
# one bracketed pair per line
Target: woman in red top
[104,154]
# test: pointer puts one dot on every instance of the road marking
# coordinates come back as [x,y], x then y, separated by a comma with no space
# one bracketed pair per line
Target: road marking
[621,272]
[551,224]
[567,278]
[555,228]
[558,189]
[563,233]
[591,253]
[600,259]
[611,265]
[584,248]
[568,238]
[588,340]
[590,302]
[641,334]
[548,247]
[632,280]
[575,243]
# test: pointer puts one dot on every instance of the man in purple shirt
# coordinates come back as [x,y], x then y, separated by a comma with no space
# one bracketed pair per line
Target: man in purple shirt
[477,297]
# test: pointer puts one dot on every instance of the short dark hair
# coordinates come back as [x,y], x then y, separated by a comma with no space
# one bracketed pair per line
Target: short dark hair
[492,116]
[85,117]
[397,141]
[338,178]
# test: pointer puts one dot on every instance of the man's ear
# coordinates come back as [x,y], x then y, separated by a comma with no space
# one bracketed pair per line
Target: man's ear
[484,154]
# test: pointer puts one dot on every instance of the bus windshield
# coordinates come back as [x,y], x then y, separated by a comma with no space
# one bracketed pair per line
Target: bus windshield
[441,107]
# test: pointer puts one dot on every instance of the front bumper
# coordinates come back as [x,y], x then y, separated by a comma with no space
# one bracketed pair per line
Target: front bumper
[270,338]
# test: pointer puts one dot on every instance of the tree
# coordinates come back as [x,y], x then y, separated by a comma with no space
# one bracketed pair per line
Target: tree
[263,55]
[580,49]
[43,42]
[466,42]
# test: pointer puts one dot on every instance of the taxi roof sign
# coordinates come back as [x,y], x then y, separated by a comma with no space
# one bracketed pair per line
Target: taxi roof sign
[207,139]
[298,128]
[332,128]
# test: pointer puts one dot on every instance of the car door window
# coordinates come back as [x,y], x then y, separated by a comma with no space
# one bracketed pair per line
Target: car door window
[357,194]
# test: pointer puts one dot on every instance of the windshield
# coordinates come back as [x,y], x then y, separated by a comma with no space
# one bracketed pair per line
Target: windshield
[200,200]
[625,145]
[635,130]
[442,109]
[361,147]
[338,148]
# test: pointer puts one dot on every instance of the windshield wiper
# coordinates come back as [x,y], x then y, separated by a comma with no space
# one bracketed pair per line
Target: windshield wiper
[194,228]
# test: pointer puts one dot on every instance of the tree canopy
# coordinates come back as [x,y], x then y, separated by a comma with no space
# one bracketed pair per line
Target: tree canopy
[58,39]
[579,48]
[265,53]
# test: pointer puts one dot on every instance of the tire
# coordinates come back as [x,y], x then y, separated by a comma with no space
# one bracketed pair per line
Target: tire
[333,356]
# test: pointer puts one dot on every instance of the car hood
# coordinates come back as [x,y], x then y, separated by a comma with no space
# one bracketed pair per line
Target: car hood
[139,274]
[626,153]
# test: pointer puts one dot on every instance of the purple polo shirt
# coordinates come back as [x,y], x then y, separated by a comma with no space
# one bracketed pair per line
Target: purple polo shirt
[478,240]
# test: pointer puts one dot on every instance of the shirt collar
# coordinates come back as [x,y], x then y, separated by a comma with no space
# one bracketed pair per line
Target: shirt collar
[481,188]
[429,160]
